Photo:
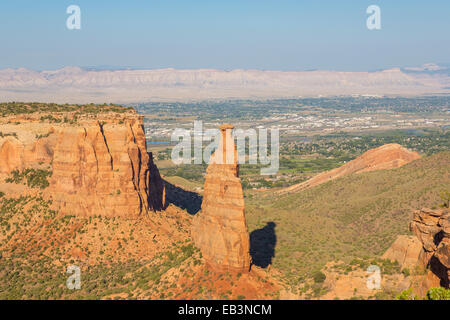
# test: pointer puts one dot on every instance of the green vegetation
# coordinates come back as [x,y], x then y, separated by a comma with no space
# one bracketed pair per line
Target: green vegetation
[35,178]
[50,118]
[316,134]
[319,277]
[353,219]
[189,172]
[438,294]
[357,216]
[445,196]
[40,136]
[257,110]
[25,278]
[347,146]
[304,157]
[13,134]
[15,108]
[432,294]
[27,273]
[407,295]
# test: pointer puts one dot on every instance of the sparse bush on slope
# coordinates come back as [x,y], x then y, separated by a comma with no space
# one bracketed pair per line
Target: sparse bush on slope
[35,178]
[357,216]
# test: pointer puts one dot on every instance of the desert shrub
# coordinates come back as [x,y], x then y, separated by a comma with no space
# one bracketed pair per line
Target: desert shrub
[40,136]
[35,178]
[15,108]
[406,272]
[363,264]
[13,134]
[50,119]
[445,197]
[406,295]
[319,277]
[438,294]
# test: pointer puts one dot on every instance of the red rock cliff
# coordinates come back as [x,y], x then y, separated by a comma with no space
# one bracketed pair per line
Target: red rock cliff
[432,228]
[100,163]
[220,229]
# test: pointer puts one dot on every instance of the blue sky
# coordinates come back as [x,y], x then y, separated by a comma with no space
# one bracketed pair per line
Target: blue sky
[228,34]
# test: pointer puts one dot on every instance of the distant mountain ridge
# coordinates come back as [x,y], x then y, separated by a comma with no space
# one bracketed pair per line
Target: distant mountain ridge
[81,85]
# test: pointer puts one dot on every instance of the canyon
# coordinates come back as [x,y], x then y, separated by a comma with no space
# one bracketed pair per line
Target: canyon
[111,207]
[107,206]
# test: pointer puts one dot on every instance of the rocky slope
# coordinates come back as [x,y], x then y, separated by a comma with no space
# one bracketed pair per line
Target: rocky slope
[389,156]
[99,162]
[358,215]
[220,229]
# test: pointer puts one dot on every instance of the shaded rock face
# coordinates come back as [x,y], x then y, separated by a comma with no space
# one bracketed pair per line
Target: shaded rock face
[100,165]
[388,156]
[432,228]
[220,229]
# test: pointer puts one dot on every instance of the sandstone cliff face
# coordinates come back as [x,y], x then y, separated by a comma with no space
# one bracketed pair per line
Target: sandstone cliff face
[100,164]
[17,155]
[389,156]
[406,250]
[220,229]
[432,228]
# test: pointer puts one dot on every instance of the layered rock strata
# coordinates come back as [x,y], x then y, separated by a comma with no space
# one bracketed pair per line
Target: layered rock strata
[406,250]
[220,229]
[432,228]
[99,163]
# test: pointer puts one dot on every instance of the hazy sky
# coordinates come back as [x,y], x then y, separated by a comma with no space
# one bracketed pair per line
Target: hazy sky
[228,34]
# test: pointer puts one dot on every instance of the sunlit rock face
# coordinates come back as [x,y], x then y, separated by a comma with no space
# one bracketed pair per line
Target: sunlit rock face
[220,229]
[100,165]
[104,169]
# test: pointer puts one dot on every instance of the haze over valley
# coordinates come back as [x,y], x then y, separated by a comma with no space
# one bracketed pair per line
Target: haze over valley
[77,85]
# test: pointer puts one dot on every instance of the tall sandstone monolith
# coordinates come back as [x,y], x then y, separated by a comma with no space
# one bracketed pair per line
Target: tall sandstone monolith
[220,229]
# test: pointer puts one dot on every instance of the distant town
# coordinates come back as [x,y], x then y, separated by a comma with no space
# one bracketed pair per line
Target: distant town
[301,116]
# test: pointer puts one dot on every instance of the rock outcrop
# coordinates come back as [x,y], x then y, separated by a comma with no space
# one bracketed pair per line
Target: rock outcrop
[17,155]
[99,163]
[220,229]
[388,156]
[406,251]
[104,169]
[432,228]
